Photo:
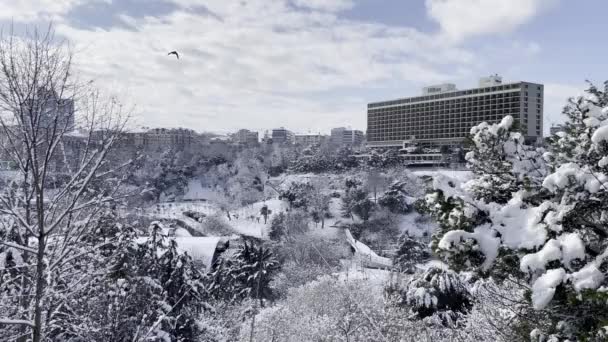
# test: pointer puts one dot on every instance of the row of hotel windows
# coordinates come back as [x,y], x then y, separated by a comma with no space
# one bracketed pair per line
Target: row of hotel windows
[443,108]
[434,117]
[515,98]
[450,94]
[455,94]
[450,112]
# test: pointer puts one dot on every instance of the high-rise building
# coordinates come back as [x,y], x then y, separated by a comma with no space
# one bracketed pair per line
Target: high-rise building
[282,136]
[246,137]
[446,117]
[346,137]
[56,113]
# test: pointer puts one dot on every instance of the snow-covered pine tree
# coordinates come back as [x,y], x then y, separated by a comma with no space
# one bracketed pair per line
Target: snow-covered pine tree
[553,235]
[395,198]
[147,290]
[410,253]
[246,274]
[437,295]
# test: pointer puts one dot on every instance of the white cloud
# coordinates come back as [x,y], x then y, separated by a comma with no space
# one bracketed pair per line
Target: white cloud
[239,68]
[325,5]
[460,19]
[32,10]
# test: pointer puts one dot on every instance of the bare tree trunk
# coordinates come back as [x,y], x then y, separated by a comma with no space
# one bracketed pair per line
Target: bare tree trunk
[252,328]
[37,330]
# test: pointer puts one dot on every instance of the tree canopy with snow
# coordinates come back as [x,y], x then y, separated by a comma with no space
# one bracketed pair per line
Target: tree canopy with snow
[536,216]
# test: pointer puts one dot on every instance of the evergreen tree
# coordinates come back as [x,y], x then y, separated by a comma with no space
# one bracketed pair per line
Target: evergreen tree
[246,274]
[297,195]
[151,291]
[549,231]
[410,253]
[436,293]
[395,199]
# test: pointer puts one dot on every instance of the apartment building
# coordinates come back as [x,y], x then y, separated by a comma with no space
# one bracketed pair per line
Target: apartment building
[282,136]
[310,139]
[245,137]
[342,136]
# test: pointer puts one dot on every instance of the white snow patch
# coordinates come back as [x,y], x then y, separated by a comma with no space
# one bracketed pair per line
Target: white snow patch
[544,287]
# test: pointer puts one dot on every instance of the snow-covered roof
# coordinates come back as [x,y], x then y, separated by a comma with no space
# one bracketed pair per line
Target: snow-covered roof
[199,248]
[366,255]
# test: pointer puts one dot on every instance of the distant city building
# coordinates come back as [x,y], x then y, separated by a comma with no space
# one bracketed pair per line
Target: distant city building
[282,136]
[556,128]
[310,139]
[55,112]
[445,118]
[159,139]
[246,137]
[267,138]
[346,137]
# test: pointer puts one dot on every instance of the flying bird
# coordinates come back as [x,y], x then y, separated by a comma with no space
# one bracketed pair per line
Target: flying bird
[173,53]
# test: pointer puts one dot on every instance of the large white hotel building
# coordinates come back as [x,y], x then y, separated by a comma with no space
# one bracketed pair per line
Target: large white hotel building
[444,115]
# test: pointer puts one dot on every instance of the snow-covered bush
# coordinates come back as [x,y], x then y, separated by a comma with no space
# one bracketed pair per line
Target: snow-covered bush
[150,290]
[356,201]
[547,228]
[297,195]
[437,294]
[332,309]
[323,310]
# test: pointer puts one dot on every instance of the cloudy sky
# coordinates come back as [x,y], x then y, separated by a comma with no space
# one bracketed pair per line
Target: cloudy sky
[310,65]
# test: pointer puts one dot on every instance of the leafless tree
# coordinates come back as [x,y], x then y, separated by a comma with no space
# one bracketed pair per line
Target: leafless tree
[52,126]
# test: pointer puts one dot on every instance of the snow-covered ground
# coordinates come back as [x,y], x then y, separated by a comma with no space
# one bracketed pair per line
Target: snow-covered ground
[463,176]
[248,220]
[416,225]
[196,191]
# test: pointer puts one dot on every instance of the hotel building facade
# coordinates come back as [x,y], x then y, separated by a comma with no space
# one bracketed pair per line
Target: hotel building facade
[444,115]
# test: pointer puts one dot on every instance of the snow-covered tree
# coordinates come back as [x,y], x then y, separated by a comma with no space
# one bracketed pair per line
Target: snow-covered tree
[288,226]
[436,293]
[319,202]
[246,274]
[298,195]
[356,201]
[149,291]
[43,104]
[395,199]
[545,228]
[410,253]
